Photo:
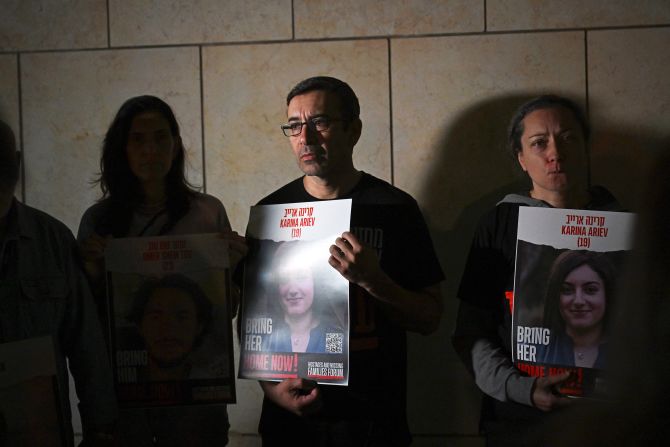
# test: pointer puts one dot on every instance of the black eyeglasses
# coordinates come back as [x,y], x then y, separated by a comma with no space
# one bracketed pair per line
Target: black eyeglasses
[319,123]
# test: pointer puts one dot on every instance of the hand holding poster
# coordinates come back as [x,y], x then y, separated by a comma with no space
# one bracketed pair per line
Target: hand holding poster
[295,314]
[171,320]
[567,264]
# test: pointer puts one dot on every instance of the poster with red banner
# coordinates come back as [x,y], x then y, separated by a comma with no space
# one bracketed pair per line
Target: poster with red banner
[295,306]
[170,318]
[568,263]
[30,407]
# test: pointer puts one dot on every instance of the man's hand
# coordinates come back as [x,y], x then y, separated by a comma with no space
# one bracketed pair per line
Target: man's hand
[299,396]
[544,394]
[415,310]
[357,263]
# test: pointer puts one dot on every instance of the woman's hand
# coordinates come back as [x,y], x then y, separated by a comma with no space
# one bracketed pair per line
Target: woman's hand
[544,394]
[92,252]
[237,246]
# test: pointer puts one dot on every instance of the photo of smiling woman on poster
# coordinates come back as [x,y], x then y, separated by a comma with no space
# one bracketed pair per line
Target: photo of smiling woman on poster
[577,307]
[305,319]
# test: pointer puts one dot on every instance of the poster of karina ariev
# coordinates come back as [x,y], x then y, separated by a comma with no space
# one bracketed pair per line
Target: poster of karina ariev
[170,320]
[567,266]
[295,306]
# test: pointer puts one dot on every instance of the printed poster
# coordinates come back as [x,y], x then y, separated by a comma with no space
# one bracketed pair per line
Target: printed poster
[171,320]
[30,407]
[295,313]
[568,263]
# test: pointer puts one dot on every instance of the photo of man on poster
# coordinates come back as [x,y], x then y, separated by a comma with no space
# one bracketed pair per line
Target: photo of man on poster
[172,315]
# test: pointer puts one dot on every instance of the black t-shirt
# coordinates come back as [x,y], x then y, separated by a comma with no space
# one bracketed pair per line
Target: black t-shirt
[388,220]
[488,278]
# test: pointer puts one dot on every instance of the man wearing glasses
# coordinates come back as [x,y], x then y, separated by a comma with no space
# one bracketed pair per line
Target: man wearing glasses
[389,260]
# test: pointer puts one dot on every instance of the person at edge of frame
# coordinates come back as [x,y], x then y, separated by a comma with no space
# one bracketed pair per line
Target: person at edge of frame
[43,291]
[548,137]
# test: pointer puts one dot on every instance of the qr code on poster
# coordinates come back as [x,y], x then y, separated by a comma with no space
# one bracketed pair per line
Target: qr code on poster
[334,342]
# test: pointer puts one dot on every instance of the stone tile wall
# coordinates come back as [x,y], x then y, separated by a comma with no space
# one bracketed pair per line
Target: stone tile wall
[437,81]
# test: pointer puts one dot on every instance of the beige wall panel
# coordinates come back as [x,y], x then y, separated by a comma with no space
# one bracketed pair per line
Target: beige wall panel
[162,22]
[9,99]
[52,24]
[353,18]
[69,100]
[551,14]
[629,97]
[439,82]
[245,88]
[452,99]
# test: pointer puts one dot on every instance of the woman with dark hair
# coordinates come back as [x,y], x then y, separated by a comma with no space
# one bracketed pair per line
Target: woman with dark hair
[145,193]
[143,183]
[304,315]
[576,310]
[548,138]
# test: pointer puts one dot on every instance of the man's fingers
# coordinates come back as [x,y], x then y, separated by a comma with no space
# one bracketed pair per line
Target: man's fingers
[334,263]
[343,246]
[306,384]
[336,251]
[351,240]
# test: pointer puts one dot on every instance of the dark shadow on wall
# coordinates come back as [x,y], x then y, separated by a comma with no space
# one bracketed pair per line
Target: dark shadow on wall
[471,172]
[621,159]
[623,155]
